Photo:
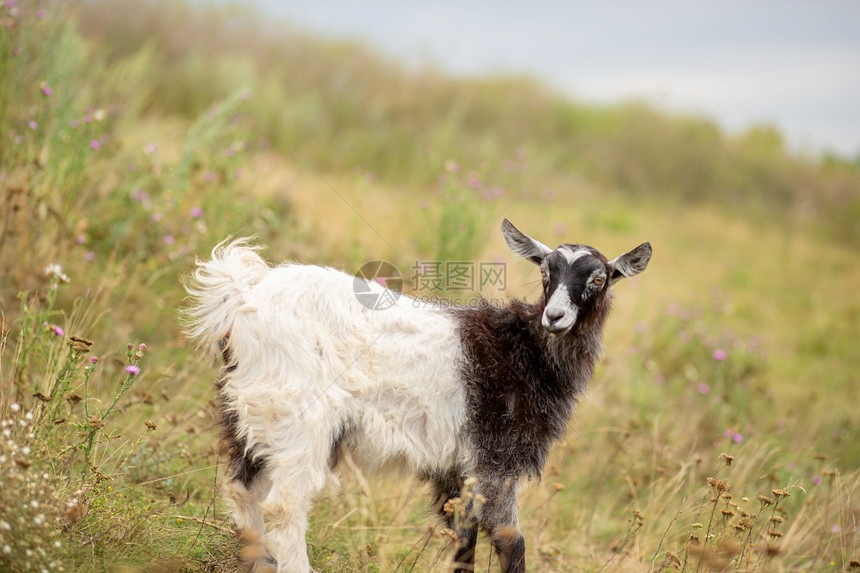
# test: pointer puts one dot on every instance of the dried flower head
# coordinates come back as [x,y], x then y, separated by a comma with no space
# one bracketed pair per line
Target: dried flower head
[85,341]
[673,559]
[41,397]
[780,493]
[718,484]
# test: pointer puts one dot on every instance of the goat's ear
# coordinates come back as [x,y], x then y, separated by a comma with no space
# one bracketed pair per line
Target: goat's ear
[629,264]
[523,245]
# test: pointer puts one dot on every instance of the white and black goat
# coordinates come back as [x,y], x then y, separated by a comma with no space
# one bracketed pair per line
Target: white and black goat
[447,393]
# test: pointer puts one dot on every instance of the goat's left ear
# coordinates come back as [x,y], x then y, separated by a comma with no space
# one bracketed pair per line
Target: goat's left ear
[629,264]
[523,245]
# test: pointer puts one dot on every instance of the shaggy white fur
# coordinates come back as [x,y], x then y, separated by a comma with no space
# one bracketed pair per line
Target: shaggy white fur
[312,362]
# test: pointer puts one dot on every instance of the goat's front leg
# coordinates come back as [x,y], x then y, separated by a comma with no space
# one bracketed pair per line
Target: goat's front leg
[464,558]
[499,519]
[511,549]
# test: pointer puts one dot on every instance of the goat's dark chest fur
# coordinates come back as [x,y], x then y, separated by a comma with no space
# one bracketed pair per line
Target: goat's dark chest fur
[521,383]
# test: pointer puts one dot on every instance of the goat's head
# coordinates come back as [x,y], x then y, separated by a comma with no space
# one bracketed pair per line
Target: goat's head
[576,278]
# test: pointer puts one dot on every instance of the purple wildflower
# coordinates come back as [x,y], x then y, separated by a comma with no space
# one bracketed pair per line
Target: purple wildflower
[142,347]
[169,240]
[720,355]
[133,369]
[90,256]
[57,330]
[139,195]
[196,212]
[94,359]
[46,89]
[816,480]
[703,389]
[33,124]
[95,145]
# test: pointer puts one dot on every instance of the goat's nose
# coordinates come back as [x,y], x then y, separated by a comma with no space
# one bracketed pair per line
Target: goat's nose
[554,313]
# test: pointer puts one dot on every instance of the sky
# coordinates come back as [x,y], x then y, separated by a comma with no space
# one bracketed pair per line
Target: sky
[792,64]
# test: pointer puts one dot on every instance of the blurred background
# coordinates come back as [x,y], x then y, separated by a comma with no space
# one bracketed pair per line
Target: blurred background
[790,64]
[136,134]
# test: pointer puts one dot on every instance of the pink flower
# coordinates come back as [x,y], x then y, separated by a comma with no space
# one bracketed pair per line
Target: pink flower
[733,436]
[46,89]
[132,369]
[169,240]
[94,359]
[720,355]
[57,330]
[95,145]
[703,389]
[816,480]
[139,195]
[142,347]
[196,212]
[33,124]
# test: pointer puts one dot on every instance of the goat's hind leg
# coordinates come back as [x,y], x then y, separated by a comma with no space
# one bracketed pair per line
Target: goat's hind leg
[247,488]
[296,479]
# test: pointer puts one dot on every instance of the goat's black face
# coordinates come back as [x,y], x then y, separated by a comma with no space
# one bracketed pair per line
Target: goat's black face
[575,278]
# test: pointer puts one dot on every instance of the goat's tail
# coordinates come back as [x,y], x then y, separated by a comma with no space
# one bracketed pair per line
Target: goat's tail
[218,291]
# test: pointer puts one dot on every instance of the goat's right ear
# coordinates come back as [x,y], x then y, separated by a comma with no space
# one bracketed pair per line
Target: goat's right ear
[523,245]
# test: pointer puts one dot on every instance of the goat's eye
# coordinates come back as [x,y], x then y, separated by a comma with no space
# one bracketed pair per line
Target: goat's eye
[599,281]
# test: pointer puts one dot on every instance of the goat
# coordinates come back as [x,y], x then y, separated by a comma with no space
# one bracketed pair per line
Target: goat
[460,396]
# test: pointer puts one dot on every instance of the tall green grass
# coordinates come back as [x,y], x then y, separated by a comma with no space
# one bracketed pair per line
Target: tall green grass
[719,432]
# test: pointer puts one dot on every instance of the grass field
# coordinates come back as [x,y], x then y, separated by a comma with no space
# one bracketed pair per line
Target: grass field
[720,431]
